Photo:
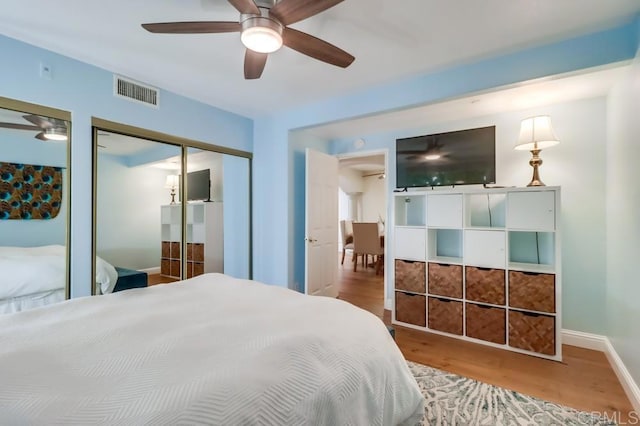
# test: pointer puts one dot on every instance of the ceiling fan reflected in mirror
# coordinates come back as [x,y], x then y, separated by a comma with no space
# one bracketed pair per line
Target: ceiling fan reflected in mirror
[263,28]
[50,129]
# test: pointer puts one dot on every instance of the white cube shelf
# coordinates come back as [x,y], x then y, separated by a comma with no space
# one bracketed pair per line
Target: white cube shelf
[485,249]
[444,210]
[502,245]
[531,210]
[410,243]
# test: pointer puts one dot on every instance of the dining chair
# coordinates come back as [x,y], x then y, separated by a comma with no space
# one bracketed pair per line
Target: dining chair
[346,232]
[366,241]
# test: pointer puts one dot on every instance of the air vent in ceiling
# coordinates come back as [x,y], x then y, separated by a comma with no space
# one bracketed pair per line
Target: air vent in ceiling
[132,90]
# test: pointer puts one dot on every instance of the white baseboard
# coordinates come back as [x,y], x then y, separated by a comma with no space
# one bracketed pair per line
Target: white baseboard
[603,344]
[628,384]
[155,270]
[584,340]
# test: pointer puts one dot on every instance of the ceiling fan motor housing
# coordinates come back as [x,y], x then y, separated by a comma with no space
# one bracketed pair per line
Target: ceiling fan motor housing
[264,27]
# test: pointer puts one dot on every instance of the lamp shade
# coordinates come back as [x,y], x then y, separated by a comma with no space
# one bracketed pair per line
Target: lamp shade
[172,182]
[536,133]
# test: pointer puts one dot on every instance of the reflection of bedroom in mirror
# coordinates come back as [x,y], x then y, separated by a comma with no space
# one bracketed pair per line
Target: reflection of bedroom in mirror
[34,205]
[139,210]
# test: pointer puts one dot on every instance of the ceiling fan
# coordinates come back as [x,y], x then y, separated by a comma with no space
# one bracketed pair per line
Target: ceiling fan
[51,129]
[264,29]
[431,152]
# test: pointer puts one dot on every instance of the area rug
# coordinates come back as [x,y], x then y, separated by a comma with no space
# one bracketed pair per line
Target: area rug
[454,400]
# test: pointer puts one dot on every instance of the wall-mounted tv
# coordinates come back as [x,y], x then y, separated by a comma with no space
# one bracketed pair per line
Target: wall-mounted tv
[462,157]
[199,185]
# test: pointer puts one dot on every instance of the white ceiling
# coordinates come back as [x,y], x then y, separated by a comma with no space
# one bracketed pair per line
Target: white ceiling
[366,164]
[523,96]
[390,40]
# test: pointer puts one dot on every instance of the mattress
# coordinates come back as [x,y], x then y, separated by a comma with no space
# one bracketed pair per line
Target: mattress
[30,301]
[208,350]
[34,272]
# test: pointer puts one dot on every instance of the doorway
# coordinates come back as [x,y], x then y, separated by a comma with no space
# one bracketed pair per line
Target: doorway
[362,197]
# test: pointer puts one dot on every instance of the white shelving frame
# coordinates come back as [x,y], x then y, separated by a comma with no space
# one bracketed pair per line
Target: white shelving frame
[532,202]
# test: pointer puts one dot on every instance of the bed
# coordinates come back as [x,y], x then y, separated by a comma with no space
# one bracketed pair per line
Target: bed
[207,350]
[36,276]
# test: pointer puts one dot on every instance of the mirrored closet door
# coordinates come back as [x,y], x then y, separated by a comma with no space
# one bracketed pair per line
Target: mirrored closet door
[34,205]
[138,216]
[142,195]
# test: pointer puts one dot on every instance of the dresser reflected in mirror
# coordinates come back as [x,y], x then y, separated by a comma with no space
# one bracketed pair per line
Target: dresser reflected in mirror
[34,205]
[166,211]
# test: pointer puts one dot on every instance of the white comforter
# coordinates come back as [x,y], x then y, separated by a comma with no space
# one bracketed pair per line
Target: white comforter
[28,270]
[209,350]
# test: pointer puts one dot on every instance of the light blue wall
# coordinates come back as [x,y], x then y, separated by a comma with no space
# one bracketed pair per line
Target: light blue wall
[623,223]
[128,214]
[272,213]
[236,211]
[17,146]
[87,91]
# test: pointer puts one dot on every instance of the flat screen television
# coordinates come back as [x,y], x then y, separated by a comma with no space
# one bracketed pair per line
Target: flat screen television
[463,157]
[199,185]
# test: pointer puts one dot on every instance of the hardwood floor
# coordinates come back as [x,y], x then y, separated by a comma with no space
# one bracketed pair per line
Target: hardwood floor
[154,279]
[584,380]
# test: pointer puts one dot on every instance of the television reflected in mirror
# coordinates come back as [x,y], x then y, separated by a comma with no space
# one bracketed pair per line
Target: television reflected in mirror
[198,185]
[463,157]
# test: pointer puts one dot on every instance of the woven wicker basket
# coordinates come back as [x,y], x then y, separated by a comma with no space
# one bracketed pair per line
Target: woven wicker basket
[445,280]
[532,291]
[411,308]
[485,285]
[166,249]
[445,315]
[165,266]
[410,276]
[486,323]
[175,250]
[174,266]
[198,252]
[532,332]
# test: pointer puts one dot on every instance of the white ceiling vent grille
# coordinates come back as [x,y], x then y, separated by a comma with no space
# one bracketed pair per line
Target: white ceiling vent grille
[138,92]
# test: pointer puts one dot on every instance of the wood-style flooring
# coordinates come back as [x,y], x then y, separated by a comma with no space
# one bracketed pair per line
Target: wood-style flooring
[153,279]
[584,380]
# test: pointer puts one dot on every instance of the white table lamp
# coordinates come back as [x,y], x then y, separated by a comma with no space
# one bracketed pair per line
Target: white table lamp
[536,133]
[172,183]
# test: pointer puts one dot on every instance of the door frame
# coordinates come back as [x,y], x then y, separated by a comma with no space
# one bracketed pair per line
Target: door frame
[367,153]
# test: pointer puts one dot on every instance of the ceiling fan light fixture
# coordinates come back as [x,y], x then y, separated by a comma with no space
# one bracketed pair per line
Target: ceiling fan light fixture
[55,134]
[261,35]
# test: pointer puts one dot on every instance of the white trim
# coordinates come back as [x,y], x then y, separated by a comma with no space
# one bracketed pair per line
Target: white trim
[584,340]
[603,344]
[155,270]
[387,304]
[626,380]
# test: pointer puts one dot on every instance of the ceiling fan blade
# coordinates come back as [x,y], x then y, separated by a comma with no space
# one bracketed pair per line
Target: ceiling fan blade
[316,48]
[291,11]
[17,126]
[41,136]
[197,27]
[254,63]
[245,6]
[42,123]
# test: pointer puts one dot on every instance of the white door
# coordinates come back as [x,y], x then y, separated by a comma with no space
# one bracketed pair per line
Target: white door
[321,224]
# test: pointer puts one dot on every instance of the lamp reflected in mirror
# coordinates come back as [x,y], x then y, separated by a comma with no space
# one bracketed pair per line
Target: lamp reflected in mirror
[172,183]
